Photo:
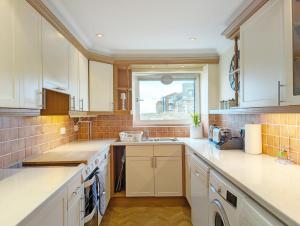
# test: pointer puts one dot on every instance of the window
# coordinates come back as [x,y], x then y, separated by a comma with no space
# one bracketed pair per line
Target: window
[165,99]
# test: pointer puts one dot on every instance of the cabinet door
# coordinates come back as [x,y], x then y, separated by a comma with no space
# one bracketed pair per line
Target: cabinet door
[83,83]
[75,210]
[139,176]
[262,57]
[54,212]
[188,175]
[55,58]
[74,78]
[9,83]
[101,86]
[168,176]
[28,54]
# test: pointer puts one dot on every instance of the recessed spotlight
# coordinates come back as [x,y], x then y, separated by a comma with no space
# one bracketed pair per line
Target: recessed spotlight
[193,38]
[99,35]
[182,66]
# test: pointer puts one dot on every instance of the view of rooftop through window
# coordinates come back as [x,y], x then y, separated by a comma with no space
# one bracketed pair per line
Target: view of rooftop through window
[159,101]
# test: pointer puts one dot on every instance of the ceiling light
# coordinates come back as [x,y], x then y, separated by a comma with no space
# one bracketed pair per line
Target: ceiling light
[99,35]
[193,38]
[182,66]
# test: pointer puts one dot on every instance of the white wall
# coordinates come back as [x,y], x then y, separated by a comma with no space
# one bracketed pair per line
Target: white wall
[209,92]
[226,93]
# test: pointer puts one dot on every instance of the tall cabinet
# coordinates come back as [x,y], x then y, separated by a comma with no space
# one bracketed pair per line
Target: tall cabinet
[28,54]
[9,85]
[20,55]
[266,57]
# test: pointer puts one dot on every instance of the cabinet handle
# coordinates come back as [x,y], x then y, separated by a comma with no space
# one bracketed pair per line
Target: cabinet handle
[81,101]
[44,99]
[73,100]
[279,86]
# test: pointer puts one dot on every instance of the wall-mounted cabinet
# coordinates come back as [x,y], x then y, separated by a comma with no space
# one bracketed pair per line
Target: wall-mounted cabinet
[74,78]
[83,69]
[101,87]
[122,86]
[55,58]
[265,61]
[20,56]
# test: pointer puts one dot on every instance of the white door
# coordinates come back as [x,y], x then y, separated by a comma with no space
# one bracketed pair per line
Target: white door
[54,212]
[55,58]
[9,85]
[101,86]
[83,83]
[28,54]
[187,176]
[74,78]
[139,176]
[75,207]
[262,57]
[199,193]
[168,176]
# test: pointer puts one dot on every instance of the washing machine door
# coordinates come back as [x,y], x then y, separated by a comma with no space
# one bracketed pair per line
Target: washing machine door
[217,214]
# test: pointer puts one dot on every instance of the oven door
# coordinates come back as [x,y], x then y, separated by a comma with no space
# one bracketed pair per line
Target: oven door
[91,194]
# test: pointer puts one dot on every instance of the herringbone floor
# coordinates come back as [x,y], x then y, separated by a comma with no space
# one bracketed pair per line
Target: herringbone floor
[147,212]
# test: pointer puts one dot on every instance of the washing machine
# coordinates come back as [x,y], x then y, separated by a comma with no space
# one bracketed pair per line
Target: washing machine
[229,206]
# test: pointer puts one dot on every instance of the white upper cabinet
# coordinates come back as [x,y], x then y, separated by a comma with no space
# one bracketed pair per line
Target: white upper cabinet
[101,86]
[264,56]
[9,85]
[83,83]
[55,58]
[74,78]
[28,54]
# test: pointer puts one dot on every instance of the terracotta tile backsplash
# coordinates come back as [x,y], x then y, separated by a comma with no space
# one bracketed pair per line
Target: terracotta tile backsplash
[278,130]
[21,137]
[109,126]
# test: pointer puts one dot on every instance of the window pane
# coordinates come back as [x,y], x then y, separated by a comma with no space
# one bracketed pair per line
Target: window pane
[175,101]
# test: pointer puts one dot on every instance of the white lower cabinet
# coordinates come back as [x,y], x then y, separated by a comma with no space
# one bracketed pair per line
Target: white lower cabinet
[63,209]
[139,176]
[148,174]
[54,212]
[168,176]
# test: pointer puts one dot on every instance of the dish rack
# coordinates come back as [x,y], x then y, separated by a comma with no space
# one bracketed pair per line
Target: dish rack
[131,136]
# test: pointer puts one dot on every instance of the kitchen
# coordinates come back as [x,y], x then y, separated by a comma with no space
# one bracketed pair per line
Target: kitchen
[115,113]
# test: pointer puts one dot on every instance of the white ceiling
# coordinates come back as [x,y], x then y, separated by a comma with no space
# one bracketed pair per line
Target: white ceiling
[149,27]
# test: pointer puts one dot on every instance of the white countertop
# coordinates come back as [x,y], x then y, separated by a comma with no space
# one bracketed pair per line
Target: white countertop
[273,185]
[91,145]
[22,191]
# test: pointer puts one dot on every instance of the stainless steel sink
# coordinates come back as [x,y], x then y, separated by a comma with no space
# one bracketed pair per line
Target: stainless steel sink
[152,139]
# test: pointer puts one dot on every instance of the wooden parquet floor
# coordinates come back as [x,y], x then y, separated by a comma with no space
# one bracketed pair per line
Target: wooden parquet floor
[147,212]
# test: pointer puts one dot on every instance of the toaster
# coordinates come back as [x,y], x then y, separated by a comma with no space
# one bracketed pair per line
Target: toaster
[221,135]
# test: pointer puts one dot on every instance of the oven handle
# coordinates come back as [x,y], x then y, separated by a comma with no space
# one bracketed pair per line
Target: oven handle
[91,215]
[89,183]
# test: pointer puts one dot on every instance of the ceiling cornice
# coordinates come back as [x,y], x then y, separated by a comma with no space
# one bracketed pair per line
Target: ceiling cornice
[233,29]
[52,19]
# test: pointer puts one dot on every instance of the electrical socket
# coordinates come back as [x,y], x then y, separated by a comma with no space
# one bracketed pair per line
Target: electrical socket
[62,131]
[76,128]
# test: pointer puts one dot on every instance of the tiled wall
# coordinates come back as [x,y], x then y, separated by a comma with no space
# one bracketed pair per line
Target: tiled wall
[278,130]
[109,126]
[21,137]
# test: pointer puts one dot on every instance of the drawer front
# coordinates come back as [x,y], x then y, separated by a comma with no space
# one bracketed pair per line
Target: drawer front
[168,150]
[74,187]
[139,151]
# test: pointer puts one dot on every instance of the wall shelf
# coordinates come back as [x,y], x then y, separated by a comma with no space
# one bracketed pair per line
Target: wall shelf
[259,110]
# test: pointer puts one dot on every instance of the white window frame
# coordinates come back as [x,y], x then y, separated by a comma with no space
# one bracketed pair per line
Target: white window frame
[136,77]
